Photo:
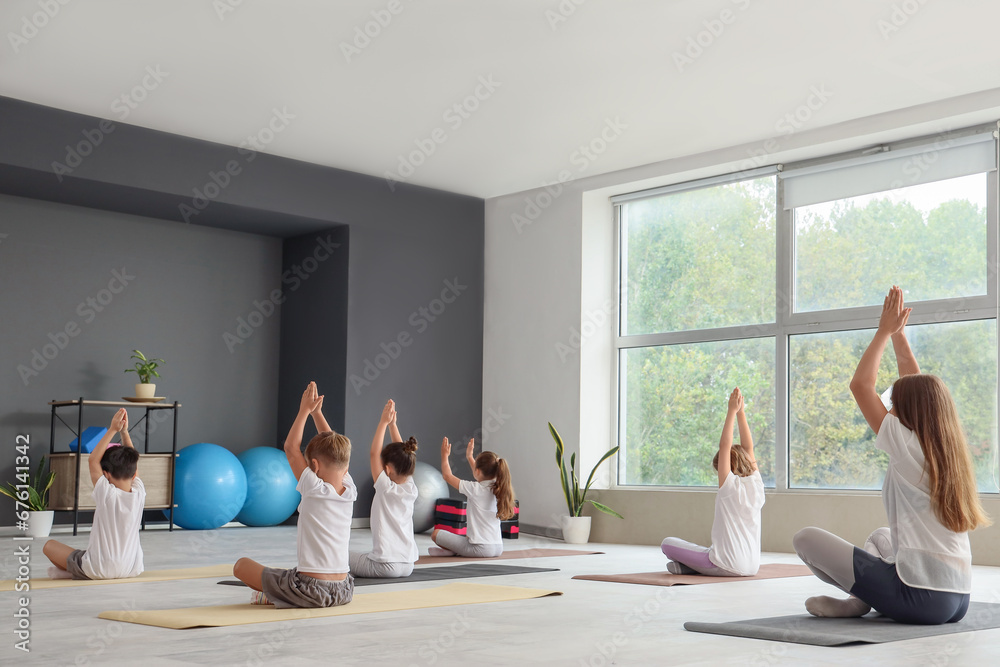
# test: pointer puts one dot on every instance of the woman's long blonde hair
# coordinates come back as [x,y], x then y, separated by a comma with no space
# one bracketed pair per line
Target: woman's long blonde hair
[924,405]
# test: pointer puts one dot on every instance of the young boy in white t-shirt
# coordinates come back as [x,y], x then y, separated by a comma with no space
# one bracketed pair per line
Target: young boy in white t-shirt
[322,578]
[735,550]
[113,551]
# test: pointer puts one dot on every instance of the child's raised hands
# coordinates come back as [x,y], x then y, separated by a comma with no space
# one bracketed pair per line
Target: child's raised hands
[894,314]
[119,421]
[445,449]
[388,413]
[736,400]
[311,400]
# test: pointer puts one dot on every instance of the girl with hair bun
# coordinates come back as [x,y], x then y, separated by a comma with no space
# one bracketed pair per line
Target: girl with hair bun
[393,548]
[491,499]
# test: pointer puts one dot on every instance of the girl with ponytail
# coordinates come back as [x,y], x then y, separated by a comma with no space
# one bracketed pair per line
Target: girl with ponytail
[394,551]
[491,499]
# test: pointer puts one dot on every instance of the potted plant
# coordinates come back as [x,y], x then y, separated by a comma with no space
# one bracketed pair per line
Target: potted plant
[33,493]
[576,528]
[146,370]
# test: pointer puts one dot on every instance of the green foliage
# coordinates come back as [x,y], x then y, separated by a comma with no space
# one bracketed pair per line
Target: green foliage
[34,494]
[706,258]
[145,368]
[575,497]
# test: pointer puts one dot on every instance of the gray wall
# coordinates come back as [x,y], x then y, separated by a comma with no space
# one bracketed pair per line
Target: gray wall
[314,325]
[404,244]
[190,285]
[436,380]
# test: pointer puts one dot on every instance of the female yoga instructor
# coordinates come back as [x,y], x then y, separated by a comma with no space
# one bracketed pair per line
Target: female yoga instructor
[919,569]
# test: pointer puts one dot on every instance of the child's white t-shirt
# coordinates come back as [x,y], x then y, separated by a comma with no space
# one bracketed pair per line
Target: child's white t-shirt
[392,521]
[928,554]
[736,530]
[483,524]
[113,551]
[324,531]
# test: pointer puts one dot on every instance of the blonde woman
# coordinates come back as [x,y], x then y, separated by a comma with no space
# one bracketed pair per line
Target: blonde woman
[919,569]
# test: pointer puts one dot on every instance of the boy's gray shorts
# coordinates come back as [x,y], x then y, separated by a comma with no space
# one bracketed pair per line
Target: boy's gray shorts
[288,588]
[74,564]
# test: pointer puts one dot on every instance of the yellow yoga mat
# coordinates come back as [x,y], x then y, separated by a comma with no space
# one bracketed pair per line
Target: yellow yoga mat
[368,603]
[207,572]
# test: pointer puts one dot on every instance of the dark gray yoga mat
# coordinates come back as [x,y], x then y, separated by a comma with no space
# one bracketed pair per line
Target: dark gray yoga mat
[870,629]
[438,573]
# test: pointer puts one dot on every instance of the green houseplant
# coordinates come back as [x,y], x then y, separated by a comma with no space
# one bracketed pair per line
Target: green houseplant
[33,492]
[576,528]
[146,370]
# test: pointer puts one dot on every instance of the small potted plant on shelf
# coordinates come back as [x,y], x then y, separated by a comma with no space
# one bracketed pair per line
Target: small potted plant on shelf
[576,528]
[146,370]
[33,492]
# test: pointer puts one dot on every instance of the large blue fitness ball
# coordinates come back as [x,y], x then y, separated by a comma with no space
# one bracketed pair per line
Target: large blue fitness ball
[210,486]
[271,494]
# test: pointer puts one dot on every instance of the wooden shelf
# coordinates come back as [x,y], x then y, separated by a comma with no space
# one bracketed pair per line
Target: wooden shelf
[155,471]
[162,405]
[91,508]
[72,490]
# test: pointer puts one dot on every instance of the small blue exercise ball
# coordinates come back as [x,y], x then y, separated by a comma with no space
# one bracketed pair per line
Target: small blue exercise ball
[430,486]
[271,494]
[210,486]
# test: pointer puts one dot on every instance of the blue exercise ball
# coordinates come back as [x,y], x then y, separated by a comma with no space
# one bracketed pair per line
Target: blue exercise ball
[271,494]
[430,487]
[210,486]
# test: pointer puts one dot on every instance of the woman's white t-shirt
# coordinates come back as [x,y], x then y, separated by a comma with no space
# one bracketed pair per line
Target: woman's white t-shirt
[113,551]
[324,531]
[736,529]
[483,524]
[927,554]
[392,521]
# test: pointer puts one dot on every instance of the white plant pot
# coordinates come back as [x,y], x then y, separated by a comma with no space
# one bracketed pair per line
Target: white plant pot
[39,523]
[576,529]
[145,390]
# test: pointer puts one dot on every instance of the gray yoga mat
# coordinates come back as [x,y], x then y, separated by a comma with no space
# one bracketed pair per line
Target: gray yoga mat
[438,573]
[870,629]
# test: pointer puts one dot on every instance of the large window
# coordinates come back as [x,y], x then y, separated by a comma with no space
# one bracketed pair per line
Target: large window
[773,281]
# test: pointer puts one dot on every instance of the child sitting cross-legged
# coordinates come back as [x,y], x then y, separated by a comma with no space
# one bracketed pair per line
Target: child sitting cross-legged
[322,578]
[735,550]
[113,551]
[394,551]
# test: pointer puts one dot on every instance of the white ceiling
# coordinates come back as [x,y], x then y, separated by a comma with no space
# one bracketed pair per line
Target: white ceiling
[610,59]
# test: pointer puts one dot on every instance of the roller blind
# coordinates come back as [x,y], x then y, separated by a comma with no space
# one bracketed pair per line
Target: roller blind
[943,159]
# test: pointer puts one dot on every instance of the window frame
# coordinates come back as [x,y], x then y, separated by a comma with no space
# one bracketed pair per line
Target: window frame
[788,323]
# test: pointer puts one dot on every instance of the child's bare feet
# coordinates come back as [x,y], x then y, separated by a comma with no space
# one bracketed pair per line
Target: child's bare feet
[440,551]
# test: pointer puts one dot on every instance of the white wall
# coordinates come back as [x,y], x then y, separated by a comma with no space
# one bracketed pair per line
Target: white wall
[546,278]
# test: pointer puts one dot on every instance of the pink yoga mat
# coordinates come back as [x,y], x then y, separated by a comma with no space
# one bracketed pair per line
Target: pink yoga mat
[663,578]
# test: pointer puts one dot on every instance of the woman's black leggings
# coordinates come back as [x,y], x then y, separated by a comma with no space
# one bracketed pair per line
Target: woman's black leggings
[869,578]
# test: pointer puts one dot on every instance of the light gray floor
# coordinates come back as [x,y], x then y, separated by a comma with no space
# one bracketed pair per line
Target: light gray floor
[593,623]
